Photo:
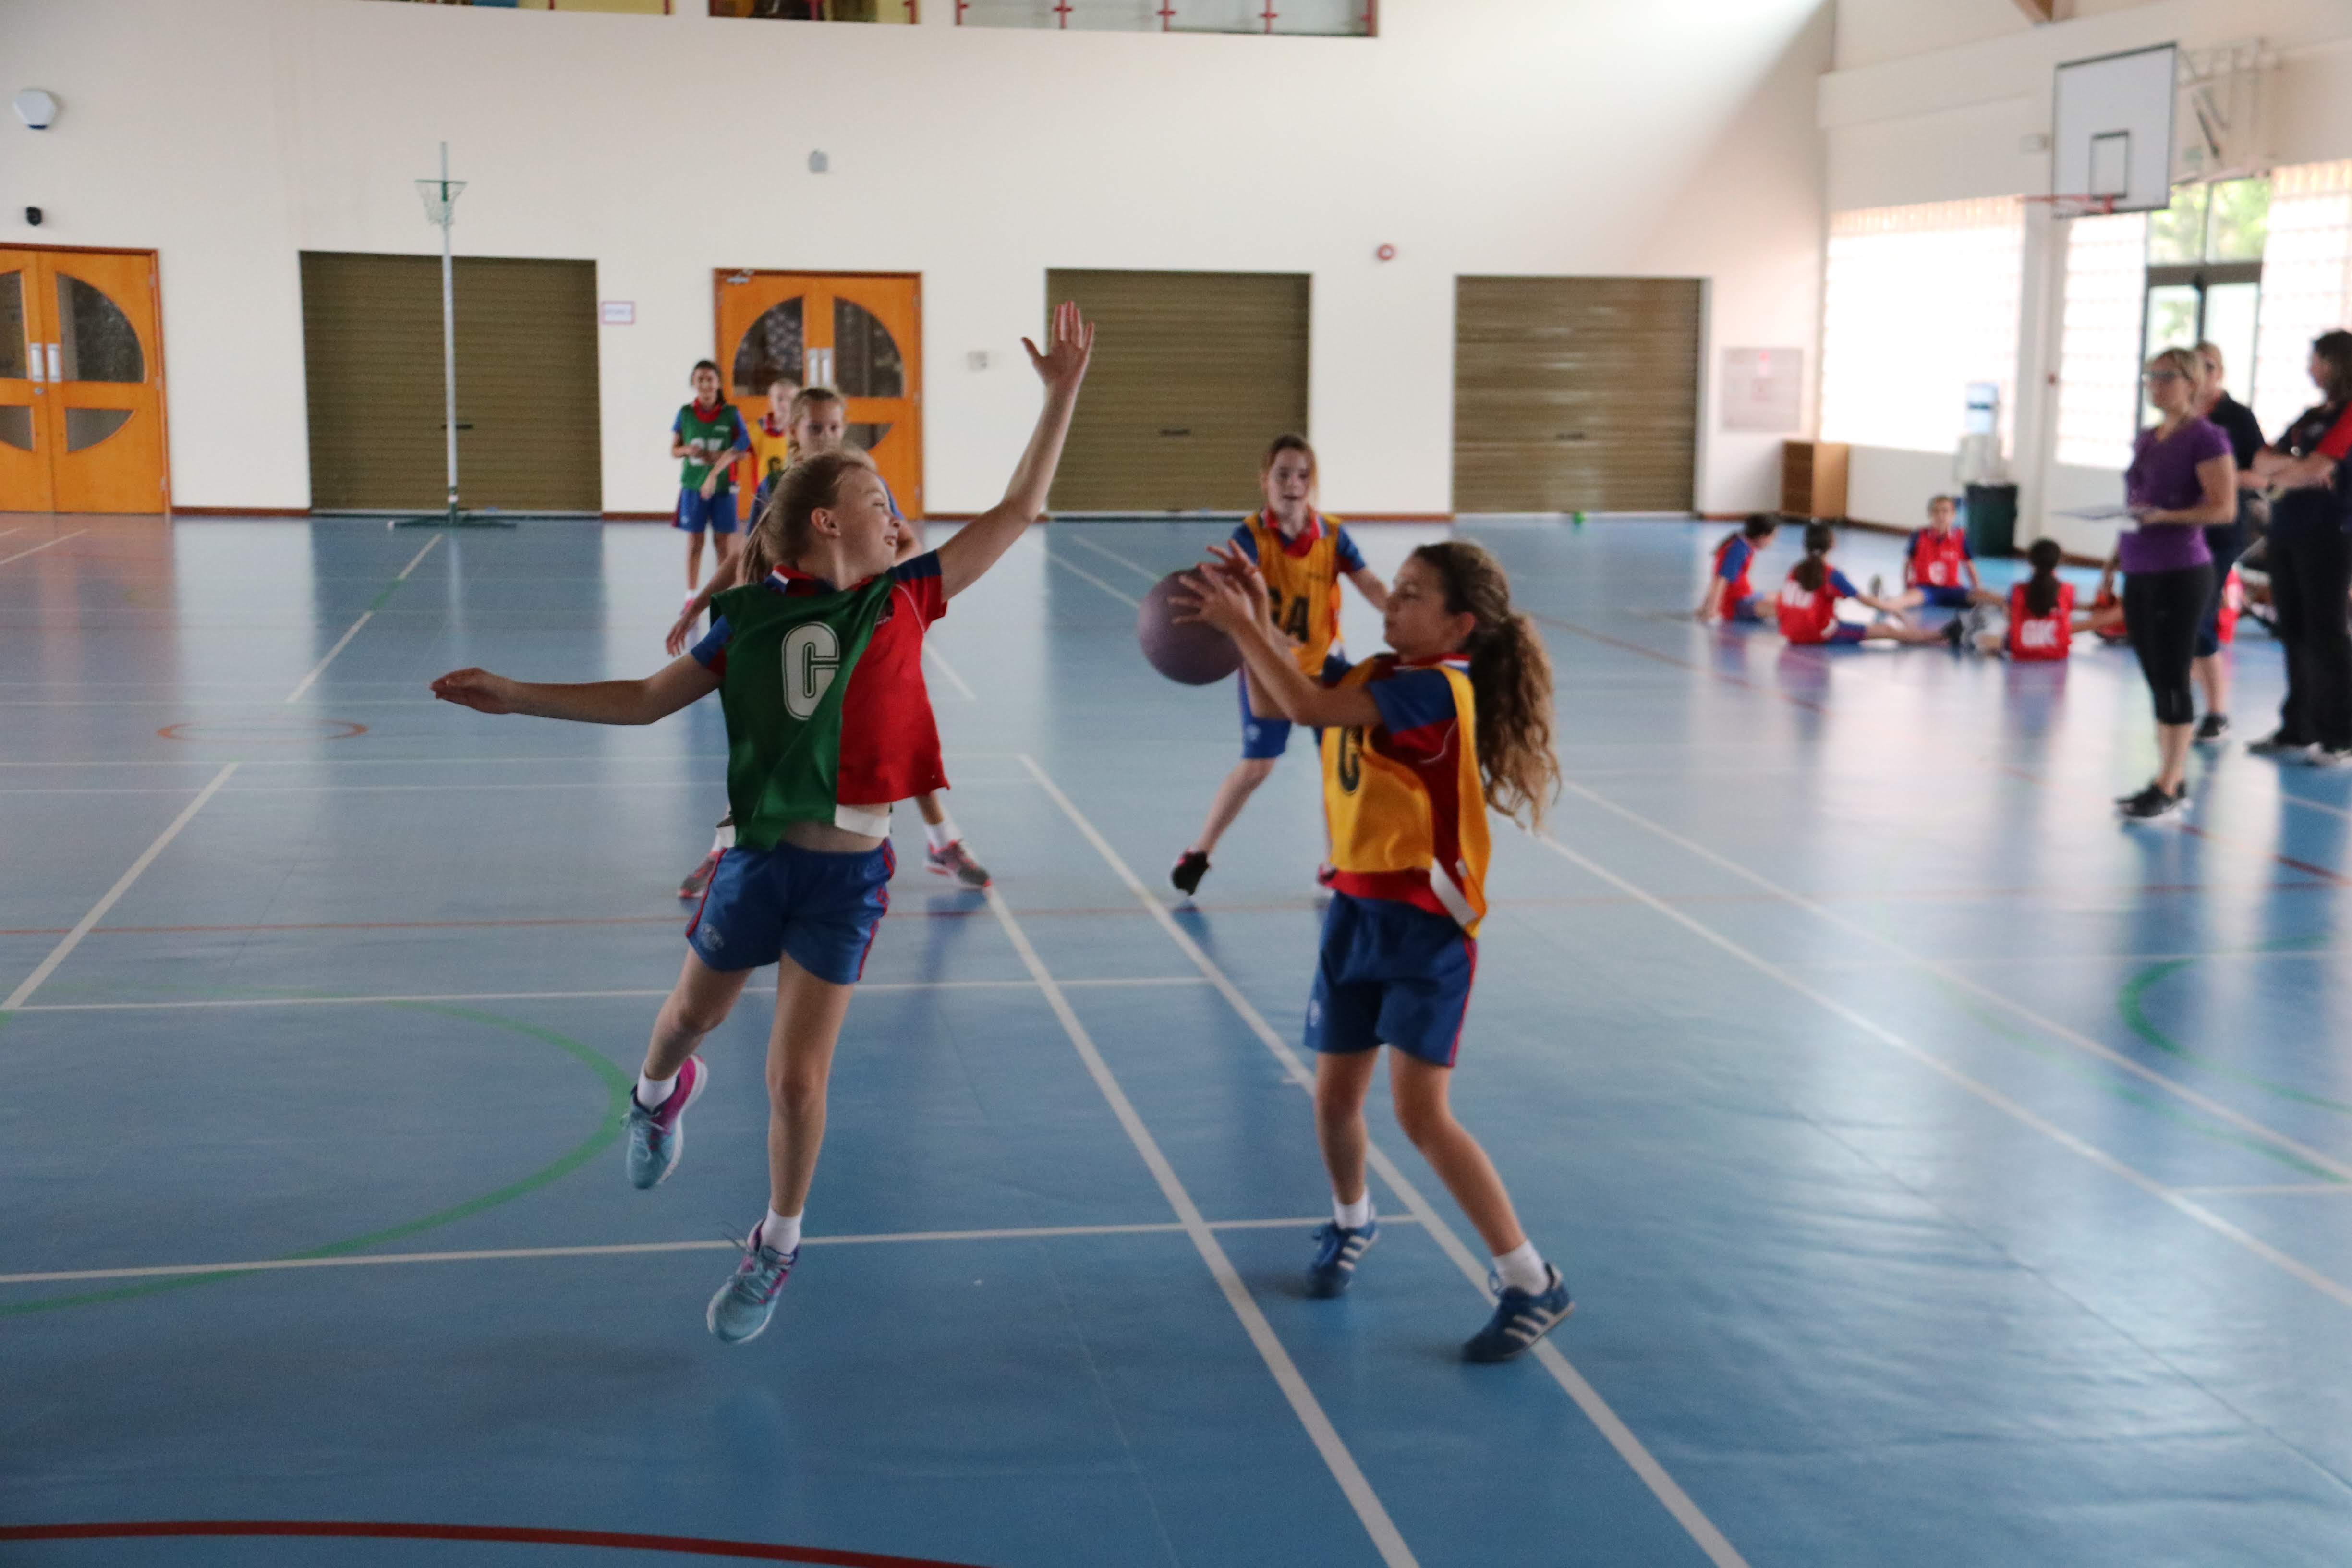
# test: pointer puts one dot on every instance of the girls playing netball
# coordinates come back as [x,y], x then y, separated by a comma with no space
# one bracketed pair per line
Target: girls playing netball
[709,435]
[1416,744]
[1729,595]
[819,668]
[1301,555]
[815,422]
[1807,607]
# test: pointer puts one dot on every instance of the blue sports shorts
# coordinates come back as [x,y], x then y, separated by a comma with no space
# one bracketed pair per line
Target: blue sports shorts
[1394,974]
[1946,598]
[1263,740]
[694,514]
[1755,607]
[820,910]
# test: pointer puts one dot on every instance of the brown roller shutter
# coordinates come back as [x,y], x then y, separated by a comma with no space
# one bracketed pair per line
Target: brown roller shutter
[527,418]
[1575,394]
[1193,374]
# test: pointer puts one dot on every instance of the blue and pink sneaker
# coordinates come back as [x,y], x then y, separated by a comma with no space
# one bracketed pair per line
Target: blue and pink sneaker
[744,1304]
[653,1140]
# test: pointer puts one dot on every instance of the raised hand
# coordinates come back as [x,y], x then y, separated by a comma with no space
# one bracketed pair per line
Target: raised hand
[1209,597]
[1231,561]
[478,690]
[1063,364]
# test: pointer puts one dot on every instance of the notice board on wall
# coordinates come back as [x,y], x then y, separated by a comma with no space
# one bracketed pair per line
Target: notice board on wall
[1763,390]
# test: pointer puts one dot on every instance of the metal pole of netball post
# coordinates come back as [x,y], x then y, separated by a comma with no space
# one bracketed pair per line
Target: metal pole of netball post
[440,197]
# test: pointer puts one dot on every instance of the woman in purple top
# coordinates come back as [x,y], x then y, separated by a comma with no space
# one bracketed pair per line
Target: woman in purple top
[2182,479]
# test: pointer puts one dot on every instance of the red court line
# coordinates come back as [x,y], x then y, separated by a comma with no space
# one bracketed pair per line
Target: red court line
[1741,681]
[1589,901]
[617,1540]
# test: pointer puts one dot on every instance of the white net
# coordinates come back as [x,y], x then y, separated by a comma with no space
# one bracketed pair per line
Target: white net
[440,199]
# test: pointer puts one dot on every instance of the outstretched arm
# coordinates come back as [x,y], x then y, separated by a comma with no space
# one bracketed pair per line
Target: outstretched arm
[727,573]
[1062,367]
[1711,605]
[1367,583]
[657,696]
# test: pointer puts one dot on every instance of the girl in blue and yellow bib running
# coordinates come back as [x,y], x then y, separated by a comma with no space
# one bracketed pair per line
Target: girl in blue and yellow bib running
[1300,554]
[1417,744]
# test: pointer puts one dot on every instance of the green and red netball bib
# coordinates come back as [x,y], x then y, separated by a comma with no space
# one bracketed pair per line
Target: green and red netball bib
[827,716]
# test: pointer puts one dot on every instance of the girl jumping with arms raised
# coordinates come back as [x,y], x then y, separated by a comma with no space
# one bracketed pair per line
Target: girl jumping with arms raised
[1416,744]
[818,664]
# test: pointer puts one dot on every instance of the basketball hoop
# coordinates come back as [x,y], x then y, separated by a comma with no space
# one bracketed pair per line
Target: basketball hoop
[440,199]
[2066,206]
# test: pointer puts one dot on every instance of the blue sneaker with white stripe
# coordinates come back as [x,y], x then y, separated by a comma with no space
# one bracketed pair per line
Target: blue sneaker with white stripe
[1521,1318]
[1336,1247]
[652,1141]
[745,1303]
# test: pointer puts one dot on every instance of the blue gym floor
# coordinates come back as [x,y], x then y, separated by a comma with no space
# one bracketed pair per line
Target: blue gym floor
[1947,1173]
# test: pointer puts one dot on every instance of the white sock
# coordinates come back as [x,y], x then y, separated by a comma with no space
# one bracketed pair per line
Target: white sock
[941,834]
[1355,1216]
[1522,1268]
[779,1233]
[724,839]
[653,1091]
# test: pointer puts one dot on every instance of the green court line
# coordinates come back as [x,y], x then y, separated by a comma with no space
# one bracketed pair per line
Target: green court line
[2146,1099]
[617,1085]
[2068,1061]
[2131,1002]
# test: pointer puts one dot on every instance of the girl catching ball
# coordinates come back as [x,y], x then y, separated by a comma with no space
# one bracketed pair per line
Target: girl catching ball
[1417,744]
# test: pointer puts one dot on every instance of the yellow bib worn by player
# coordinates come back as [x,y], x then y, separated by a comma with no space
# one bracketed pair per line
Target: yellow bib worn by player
[1302,579]
[1406,806]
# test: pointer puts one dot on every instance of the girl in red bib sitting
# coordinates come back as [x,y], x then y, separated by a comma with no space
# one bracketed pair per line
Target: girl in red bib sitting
[1808,600]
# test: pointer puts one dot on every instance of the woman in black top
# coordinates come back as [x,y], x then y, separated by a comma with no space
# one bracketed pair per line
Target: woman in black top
[2227,540]
[2308,472]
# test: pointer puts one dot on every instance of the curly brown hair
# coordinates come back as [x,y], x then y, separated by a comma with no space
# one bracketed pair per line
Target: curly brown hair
[1510,675]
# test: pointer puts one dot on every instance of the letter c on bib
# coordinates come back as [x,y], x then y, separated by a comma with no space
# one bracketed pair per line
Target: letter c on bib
[812,658]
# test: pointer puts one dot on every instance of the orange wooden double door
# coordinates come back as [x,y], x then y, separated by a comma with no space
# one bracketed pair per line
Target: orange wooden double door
[82,383]
[859,333]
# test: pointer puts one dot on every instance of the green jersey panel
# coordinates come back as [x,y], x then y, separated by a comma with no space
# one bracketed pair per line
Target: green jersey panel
[788,663]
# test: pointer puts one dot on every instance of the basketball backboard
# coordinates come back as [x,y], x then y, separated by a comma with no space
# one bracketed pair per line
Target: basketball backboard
[2112,129]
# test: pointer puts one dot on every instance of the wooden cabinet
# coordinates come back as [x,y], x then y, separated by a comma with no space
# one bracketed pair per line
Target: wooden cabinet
[1812,478]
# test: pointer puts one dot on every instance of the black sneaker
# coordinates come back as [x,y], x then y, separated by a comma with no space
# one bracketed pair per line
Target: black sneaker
[1191,866]
[2277,745]
[1954,630]
[2153,802]
[2211,728]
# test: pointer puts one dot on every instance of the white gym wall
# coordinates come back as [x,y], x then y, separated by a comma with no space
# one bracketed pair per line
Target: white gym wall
[1673,137]
[1938,102]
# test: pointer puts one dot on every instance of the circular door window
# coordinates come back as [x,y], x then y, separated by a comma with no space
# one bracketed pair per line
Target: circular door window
[771,351]
[96,342]
[867,363]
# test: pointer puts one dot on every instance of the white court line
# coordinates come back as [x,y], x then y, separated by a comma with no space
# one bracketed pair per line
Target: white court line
[949,670]
[1073,566]
[863,987]
[1637,1456]
[1303,1403]
[1136,567]
[664,761]
[37,549]
[629,1249]
[1953,977]
[5,533]
[72,939]
[365,616]
[2294,799]
[2281,1189]
[1984,1091]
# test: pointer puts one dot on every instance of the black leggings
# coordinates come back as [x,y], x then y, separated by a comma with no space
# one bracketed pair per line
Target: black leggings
[2162,610]
[2311,569]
